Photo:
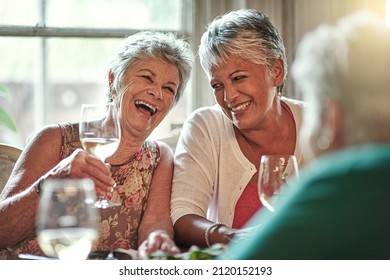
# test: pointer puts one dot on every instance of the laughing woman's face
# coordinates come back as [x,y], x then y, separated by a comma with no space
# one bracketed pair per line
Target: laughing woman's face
[150,89]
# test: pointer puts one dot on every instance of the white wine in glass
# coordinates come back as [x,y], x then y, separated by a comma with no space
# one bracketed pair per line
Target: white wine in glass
[99,132]
[67,221]
[276,172]
[100,147]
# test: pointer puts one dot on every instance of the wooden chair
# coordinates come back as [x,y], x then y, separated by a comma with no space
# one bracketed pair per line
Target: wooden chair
[8,156]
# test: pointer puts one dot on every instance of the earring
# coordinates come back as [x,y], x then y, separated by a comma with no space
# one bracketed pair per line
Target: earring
[323,142]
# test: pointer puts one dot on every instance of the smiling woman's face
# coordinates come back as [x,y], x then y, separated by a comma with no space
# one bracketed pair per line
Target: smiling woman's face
[150,87]
[245,90]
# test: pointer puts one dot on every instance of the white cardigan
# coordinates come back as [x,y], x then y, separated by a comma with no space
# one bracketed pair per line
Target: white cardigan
[210,171]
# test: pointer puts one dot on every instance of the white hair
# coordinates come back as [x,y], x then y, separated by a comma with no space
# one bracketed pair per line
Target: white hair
[348,63]
[246,34]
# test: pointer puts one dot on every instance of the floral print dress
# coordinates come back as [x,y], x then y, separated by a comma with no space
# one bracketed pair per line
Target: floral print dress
[119,225]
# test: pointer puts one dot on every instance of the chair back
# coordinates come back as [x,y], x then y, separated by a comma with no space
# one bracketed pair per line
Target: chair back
[8,156]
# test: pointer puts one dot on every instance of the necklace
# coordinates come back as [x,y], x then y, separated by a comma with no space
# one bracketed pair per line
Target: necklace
[126,162]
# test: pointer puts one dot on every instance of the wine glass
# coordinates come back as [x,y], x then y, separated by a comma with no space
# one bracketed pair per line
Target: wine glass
[276,172]
[67,221]
[99,135]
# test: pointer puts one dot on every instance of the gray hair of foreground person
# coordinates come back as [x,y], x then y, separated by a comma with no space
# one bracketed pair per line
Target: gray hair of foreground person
[166,47]
[246,34]
[348,64]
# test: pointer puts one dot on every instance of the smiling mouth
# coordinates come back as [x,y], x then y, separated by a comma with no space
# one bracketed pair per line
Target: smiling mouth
[240,107]
[146,106]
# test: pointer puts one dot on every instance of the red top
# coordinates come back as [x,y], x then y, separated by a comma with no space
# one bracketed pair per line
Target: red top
[247,205]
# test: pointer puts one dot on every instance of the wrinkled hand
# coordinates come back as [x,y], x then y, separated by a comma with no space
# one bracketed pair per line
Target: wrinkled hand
[80,164]
[157,240]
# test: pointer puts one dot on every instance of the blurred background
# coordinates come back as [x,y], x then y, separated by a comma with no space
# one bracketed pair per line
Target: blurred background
[54,53]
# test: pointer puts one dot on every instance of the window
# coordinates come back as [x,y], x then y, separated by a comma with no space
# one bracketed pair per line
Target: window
[54,55]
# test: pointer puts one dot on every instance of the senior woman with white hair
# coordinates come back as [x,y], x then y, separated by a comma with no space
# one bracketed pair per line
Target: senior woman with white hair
[340,208]
[147,76]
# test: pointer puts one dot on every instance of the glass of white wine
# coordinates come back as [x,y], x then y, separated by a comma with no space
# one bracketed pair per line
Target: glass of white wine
[275,173]
[99,132]
[67,221]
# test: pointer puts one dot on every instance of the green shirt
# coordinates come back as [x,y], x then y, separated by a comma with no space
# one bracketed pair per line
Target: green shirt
[340,210]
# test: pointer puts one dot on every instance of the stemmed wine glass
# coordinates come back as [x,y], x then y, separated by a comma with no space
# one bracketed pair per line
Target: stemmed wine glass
[99,135]
[67,221]
[276,172]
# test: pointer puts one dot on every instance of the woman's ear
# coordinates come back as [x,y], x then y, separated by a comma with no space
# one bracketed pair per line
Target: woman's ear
[330,137]
[278,72]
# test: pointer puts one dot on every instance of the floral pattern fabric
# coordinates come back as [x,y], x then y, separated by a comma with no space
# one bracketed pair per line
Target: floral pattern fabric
[119,225]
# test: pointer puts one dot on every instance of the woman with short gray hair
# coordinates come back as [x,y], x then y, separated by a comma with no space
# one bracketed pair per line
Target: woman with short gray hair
[217,157]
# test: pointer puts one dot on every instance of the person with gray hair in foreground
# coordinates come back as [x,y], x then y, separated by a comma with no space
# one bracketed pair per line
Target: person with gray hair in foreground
[339,210]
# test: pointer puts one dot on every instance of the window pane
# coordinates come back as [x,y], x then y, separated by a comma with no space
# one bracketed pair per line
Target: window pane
[76,73]
[132,14]
[18,58]
[19,12]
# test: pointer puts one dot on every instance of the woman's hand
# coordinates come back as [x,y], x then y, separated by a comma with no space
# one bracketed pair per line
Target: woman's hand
[80,164]
[157,240]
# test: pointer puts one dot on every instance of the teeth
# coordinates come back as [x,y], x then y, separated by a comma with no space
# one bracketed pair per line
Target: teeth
[241,106]
[151,108]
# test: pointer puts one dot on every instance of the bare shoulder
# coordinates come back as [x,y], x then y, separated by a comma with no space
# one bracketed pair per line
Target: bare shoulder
[165,150]
[41,154]
[51,130]
[163,174]
[48,141]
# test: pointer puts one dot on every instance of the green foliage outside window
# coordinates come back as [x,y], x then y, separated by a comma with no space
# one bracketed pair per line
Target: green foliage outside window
[5,119]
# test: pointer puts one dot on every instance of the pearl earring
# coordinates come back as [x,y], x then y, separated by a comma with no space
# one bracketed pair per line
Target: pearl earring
[323,142]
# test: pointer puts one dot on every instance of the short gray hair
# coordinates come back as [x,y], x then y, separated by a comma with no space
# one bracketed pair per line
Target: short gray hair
[166,47]
[348,63]
[246,34]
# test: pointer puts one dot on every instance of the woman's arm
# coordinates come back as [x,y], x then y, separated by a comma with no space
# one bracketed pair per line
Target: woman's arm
[191,230]
[19,200]
[156,218]
[194,179]
[42,158]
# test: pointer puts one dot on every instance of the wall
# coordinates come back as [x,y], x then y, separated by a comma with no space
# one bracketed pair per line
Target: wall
[293,18]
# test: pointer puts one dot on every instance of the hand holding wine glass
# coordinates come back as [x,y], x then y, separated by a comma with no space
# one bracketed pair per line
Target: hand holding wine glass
[99,135]
[276,172]
[67,222]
